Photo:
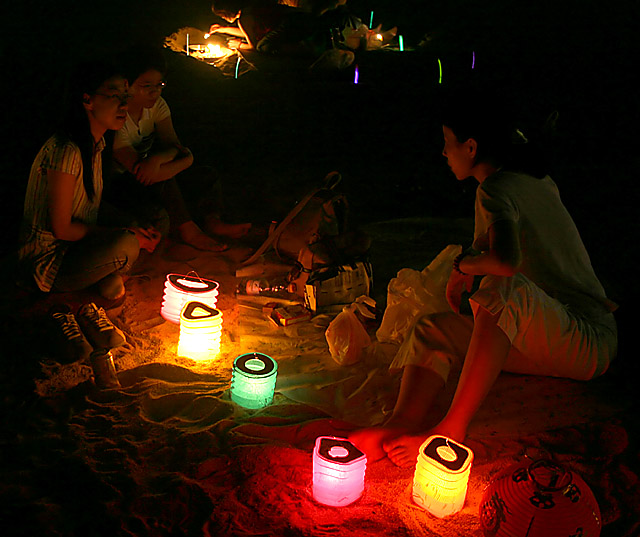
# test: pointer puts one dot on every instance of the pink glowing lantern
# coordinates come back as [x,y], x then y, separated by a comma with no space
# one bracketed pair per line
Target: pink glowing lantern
[539,499]
[441,476]
[178,290]
[200,331]
[338,471]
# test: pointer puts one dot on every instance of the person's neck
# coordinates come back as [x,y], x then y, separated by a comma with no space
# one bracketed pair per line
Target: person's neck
[97,132]
[135,111]
[482,170]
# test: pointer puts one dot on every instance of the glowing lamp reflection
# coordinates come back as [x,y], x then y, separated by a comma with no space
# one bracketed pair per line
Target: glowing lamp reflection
[441,476]
[338,471]
[253,380]
[178,290]
[200,331]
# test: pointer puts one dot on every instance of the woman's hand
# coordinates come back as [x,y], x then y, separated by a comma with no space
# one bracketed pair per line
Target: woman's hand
[456,284]
[148,238]
[147,170]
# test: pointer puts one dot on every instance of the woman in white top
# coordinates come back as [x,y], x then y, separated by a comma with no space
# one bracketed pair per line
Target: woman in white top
[61,242]
[149,156]
[539,307]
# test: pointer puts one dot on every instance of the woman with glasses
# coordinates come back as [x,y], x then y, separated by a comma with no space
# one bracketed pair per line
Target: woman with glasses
[149,156]
[61,242]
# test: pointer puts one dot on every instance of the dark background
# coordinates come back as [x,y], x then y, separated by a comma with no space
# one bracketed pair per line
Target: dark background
[276,131]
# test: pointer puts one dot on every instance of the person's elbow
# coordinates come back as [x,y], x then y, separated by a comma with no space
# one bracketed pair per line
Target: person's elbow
[509,264]
[61,231]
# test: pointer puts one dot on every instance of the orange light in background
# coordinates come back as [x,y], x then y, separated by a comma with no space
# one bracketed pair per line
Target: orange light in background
[200,331]
[441,476]
[180,289]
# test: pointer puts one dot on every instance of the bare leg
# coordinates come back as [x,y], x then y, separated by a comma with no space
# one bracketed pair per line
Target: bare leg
[418,389]
[215,226]
[486,356]
[192,235]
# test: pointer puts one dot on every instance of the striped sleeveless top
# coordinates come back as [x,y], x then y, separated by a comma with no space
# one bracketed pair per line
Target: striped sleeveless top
[39,249]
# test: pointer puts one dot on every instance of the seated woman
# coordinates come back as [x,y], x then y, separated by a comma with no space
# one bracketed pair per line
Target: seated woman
[60,242]
[149,156]
[539,308]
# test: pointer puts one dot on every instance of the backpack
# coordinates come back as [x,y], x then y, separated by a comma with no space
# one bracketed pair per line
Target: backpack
[321,213]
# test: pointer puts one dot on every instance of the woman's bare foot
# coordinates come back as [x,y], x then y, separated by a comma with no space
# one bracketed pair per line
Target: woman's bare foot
[403,450]
[371,441]
[192,235]
[215,226]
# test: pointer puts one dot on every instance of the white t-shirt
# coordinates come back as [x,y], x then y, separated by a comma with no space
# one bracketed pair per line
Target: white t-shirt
[141,136]
[553,254]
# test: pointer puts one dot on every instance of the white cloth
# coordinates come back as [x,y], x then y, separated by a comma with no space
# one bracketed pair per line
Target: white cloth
[554,311]
[38,246]
[140,136]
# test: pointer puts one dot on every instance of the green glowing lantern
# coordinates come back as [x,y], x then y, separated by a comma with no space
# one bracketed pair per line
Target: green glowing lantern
[253,380]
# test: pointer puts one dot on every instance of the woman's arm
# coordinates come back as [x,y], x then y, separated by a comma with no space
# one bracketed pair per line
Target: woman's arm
[61,188]
[170,158]
[504,255]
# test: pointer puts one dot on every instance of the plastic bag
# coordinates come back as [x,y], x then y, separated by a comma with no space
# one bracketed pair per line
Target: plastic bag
[412,294]
[346,336]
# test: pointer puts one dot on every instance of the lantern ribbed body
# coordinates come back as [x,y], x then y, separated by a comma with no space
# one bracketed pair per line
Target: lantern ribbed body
[539,499]
[441,476]
[200,331]
[178,290]
[338,471]
[253,380]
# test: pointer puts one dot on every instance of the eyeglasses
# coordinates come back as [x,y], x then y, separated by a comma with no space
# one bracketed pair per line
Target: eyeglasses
[122,97]
[148,87]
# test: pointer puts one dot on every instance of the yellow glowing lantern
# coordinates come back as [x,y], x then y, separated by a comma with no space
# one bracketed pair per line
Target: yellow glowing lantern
[200,331]
[441,476]
[179,289]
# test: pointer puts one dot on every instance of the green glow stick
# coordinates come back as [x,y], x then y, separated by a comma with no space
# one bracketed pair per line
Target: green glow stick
[440,68]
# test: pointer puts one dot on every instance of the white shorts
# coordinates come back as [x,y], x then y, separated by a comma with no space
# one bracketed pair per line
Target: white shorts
[546,337]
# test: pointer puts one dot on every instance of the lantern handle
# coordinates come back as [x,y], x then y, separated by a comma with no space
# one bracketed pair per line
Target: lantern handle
[196,275]
[558,481]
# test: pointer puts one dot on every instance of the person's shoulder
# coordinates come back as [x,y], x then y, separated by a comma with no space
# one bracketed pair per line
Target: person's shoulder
[160,109]
[60,146]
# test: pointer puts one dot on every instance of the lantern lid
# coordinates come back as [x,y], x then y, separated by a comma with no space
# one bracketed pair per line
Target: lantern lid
[190,311]
[325,447]
[447,453]
[268,364]
[177,279]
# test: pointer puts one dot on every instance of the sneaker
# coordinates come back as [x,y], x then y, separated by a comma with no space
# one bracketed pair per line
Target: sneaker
[100,331]
[69,339]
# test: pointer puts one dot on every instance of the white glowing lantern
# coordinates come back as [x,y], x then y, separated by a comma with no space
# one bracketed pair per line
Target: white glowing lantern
[178,290]
[338,471]
[441,475]
[200,331]
[253,380]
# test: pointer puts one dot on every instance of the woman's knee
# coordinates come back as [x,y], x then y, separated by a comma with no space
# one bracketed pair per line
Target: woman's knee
[126,247]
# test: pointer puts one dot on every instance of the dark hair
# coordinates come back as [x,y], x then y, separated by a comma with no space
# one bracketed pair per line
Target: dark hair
[222,7]
[85,79]
[140,59]
[490,120]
